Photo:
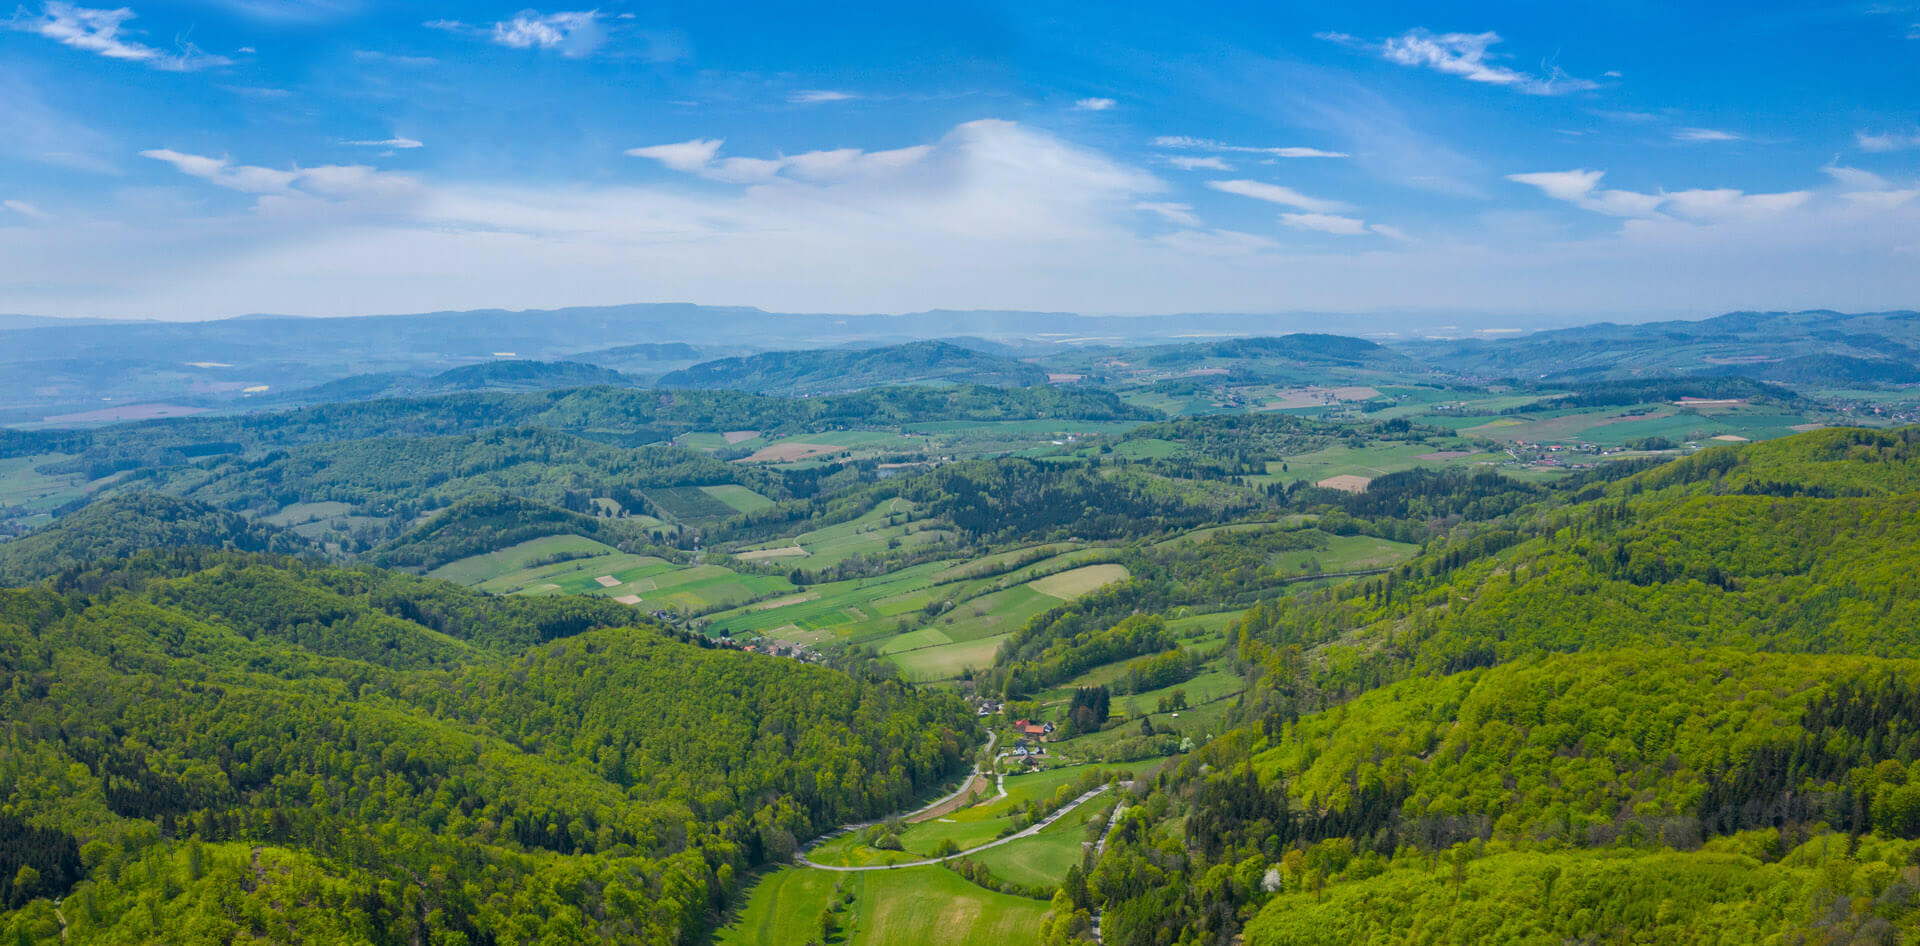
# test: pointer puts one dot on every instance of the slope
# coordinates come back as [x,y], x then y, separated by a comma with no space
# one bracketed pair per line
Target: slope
[247,748]
[830,371]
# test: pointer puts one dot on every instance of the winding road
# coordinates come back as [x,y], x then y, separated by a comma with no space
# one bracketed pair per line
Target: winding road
[1027,832]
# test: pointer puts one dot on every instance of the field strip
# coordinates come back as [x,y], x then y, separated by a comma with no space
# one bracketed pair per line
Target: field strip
[1027,832]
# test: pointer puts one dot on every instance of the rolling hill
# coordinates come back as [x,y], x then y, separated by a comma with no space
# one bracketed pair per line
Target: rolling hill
[832,371]
[1818,349]
[122,525]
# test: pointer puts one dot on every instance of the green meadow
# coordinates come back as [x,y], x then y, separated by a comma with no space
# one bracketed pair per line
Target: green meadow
[918,906]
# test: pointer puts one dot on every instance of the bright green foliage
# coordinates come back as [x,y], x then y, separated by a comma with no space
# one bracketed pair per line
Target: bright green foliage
[125,524]
[231,747]
[1819,893]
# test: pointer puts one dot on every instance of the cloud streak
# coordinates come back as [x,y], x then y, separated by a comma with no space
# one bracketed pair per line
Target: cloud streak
[1886,142]
[818,96]
[1581,188]
[1278,194]
[1208,144]
[1702,135]
[1469,56]
[102,33]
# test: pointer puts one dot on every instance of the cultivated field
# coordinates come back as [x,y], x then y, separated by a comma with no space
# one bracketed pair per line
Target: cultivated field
[918,906]
[480,569]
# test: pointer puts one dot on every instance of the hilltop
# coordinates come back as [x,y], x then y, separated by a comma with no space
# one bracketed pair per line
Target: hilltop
[833,371]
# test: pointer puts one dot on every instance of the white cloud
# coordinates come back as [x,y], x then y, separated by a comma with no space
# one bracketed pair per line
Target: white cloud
[100,32]
[1393,233]
[993,215]
[1886,142]
[1581,189]
[1869,190]
[401,143]
[682,156]
[1180,214]
[701,156]
[22,207]
[1207,163]
[574,33]
[1278,194]
[1854,178]
[1326,223]
[1208,144]
[1705,134]
[395,59]
[818,96]
[1467,55]
[1094,104]
[278,189]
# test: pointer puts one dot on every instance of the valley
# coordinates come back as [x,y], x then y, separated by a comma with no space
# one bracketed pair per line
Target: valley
[1254,648]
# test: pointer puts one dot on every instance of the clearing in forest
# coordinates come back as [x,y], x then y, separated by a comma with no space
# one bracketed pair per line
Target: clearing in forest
[1346,482]
[1079,581]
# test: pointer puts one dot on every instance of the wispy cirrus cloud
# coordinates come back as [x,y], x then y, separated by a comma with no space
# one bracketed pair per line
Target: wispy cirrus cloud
[1174,213]
[1278,194]
[395,142]
[1326,223]
[1469,56]
[25,209]
[1202,163]
[1208,144]
[393,59]
[819,96]
[700,157]
[103,33]
[1095,104]
[1886,142]
[1704,135]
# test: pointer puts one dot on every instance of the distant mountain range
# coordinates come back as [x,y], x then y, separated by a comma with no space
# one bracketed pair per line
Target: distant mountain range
[88,372]
[831,371]
[1797,348]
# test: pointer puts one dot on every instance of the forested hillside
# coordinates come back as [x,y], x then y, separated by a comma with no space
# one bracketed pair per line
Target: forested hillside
[203,747]
[122,525]
[1677,706]
[832,371]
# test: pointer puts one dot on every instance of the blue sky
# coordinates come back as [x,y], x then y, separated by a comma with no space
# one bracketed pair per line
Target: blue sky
[1532,162]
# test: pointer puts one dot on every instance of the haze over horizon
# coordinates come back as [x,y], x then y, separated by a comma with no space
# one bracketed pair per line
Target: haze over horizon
[336,157]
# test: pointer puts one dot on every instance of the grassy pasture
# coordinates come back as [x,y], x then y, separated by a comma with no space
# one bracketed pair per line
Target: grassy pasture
[1210,685]
[478,569]
[738,498]
[302,513]
[1345,553]
[1369,461]
[946,661]
[1043,860]
[657,582]
[917,906]
[870,534]
[22,485]
[968,827]
[905,611]
[1073,584]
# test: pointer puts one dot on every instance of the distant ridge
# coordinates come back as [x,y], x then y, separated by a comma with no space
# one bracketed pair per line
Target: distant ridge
[839,370]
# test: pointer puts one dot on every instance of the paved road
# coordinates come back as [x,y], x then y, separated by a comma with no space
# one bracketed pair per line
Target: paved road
[1028,832]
